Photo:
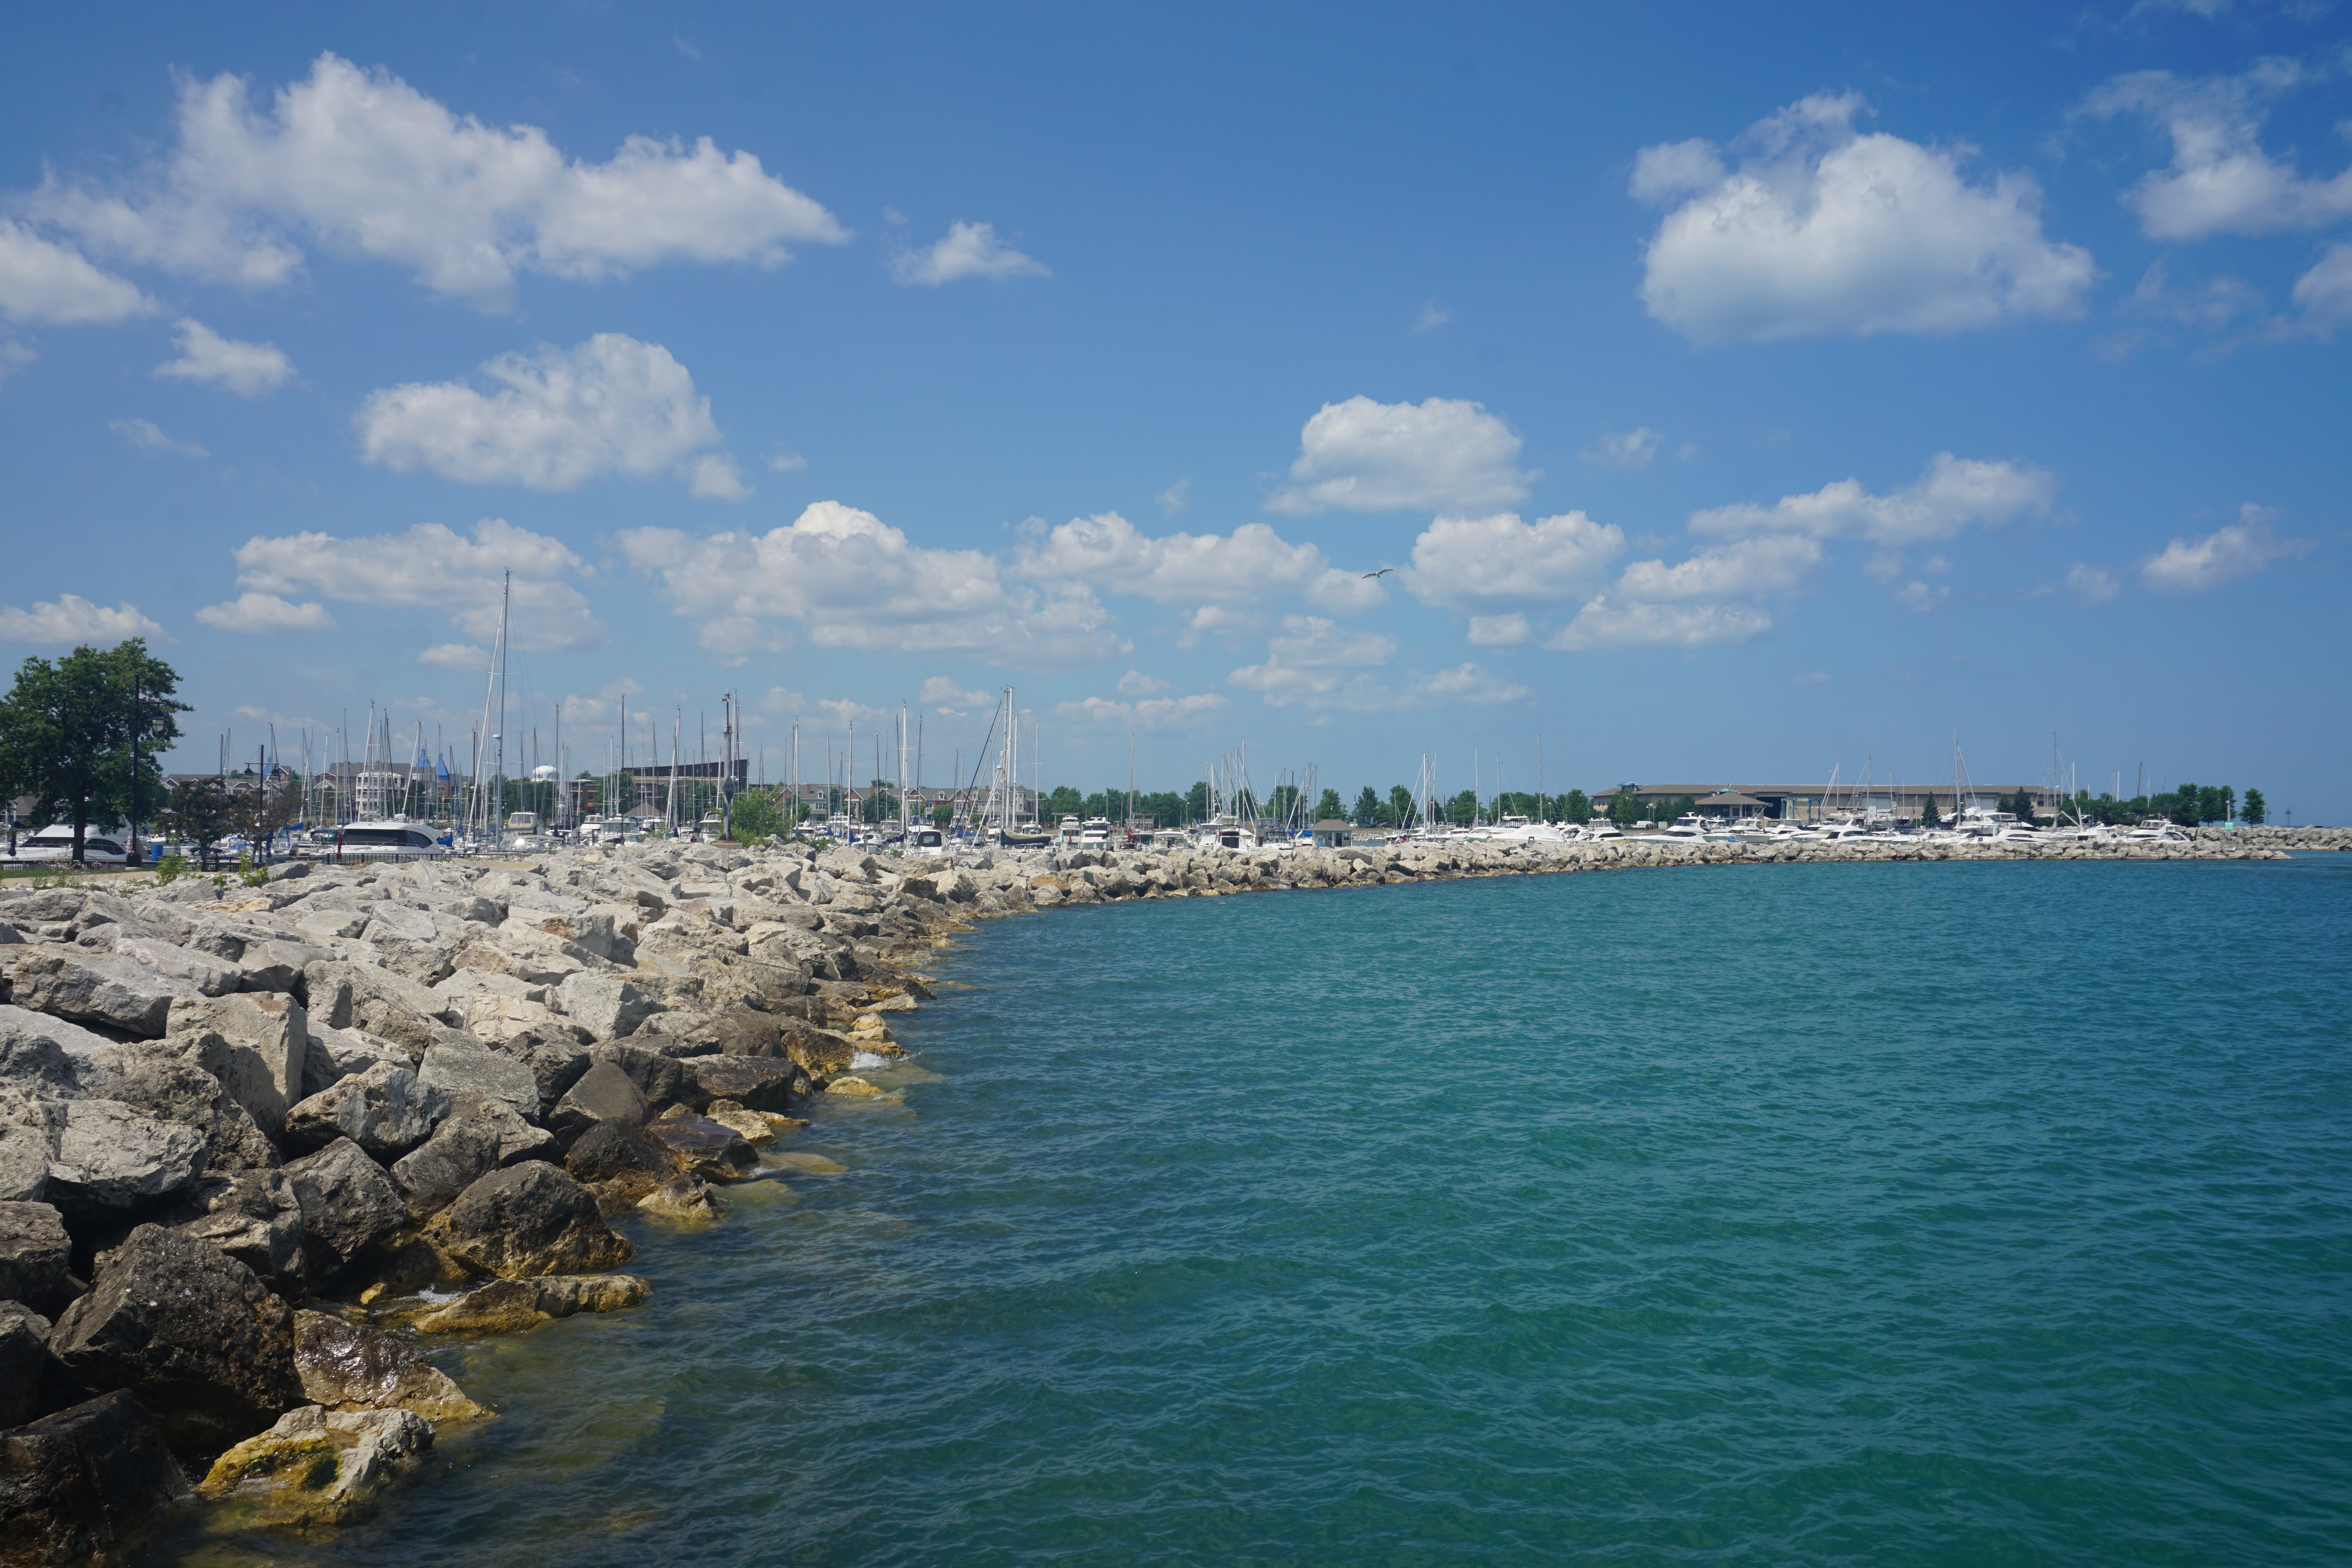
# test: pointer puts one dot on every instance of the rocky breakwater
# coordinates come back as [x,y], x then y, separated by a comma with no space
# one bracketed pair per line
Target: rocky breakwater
[259,1146]
[2276,836]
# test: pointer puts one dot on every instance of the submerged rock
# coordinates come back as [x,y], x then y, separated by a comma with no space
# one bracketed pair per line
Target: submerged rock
[681,1198]
[508,1306]
[318,1466]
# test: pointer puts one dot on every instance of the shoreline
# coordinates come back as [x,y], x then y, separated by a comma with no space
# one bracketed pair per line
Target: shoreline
[345,1113]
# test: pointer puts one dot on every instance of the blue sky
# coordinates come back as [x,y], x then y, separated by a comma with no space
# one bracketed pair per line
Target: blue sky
[1736,392]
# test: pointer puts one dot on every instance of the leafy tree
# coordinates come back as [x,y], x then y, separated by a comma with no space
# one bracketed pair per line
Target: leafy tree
[1329,806]
[1624,806]
[1576,806]
[2215,802]
[1928,817]
[201,812]
[81,735]
[1064,802]
[2256,810]
[1462,809]
[2187,805]
[1368,808]
[754,817]
[1400,808]
[261,811]
[1196,802]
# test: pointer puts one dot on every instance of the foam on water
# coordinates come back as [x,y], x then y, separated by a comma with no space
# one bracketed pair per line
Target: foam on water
[1872,1213]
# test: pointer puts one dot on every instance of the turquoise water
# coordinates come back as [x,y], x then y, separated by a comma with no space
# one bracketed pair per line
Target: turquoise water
[1897,1213]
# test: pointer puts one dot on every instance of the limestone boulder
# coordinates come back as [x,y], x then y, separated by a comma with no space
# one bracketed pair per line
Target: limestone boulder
[603,1093]
[528,1220]
[24,1355]
[205,1346]
[92,987]
[169,1088]
[276,966]
[350,1205]
[255,1217]
[699,1147]
[476,1139]
[556,1059]
[81,1485]
[378,1001]
[44,1055]
[605,1005]
[104,1155]
[348,1365]
[256,1043]
[462,1072]
[682,1200]
[319,1466]
[510,1306]
[386,1110]
[211,977]
[759,1083]
[619,1164]
[35,1254]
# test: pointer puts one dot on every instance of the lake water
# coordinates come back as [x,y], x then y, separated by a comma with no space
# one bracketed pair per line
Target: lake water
[1875,1213]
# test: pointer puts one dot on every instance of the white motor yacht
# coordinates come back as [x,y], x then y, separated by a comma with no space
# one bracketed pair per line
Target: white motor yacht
[390,838]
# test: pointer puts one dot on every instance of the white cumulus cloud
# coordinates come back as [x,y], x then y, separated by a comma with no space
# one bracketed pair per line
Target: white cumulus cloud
[941,690]
[853,582]
[1500,631]
[71,619]
[2220,180]
[2241,550]
[1498,564]
[1953,494]
[259,613]
[1748,569]
[1823,230]
[1144,713]
[43,283]
[1316,659]
[966,251]
[2326,291]
[1135,683]
[360,162]
[2092,584]
[1362,456]
[560,418]
[1465,683]
[1240,568]
[431,566]
[1606,623]
[246,369]
[1635,449]
[454,656]
[147,436]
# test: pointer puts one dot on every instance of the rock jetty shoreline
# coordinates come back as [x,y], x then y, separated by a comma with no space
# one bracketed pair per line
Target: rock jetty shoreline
[263,1147]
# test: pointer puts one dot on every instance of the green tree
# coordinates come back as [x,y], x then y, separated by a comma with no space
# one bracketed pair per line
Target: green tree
[81,735]
[1064,802]
[1329,806]
[1400,808]
[1462,809]
[1576,806]
[1927,814]
[1625,806]
[2256,809]
[2187,805]
[755,816]
[1368,808]
[201,811]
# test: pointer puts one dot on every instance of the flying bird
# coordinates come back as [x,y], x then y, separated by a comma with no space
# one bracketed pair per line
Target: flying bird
[1382,572]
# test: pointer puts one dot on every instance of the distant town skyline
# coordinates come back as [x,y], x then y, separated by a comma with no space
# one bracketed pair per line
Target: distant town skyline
[1707,391]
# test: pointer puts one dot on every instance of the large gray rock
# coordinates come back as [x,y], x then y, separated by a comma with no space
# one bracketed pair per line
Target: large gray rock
[255,1217]
[528,1220]
[170,1088]
[277,966]
[105,1155]
[77,1486]
[603,1093]
[336,1054]
[377,1000]
[760,1083]
[385,1110]
[605,1004]
[23,1157]
[494,1017]
[661,1077]
[99,988]
[210,975]
[34,1253]
[350,1205]
[351,1366]
[555,1058]
[45,1056]
[463,1071]
[476,1139]
[24,1352]
[188,1329]
[255,1044]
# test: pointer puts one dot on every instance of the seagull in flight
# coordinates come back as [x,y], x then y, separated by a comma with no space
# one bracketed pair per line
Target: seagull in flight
[1382,572]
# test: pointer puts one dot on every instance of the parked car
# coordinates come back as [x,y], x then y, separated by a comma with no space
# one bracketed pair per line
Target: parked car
[55,843]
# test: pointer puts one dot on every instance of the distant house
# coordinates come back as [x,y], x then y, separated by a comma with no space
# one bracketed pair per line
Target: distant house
[1811,803]
[1333,833]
